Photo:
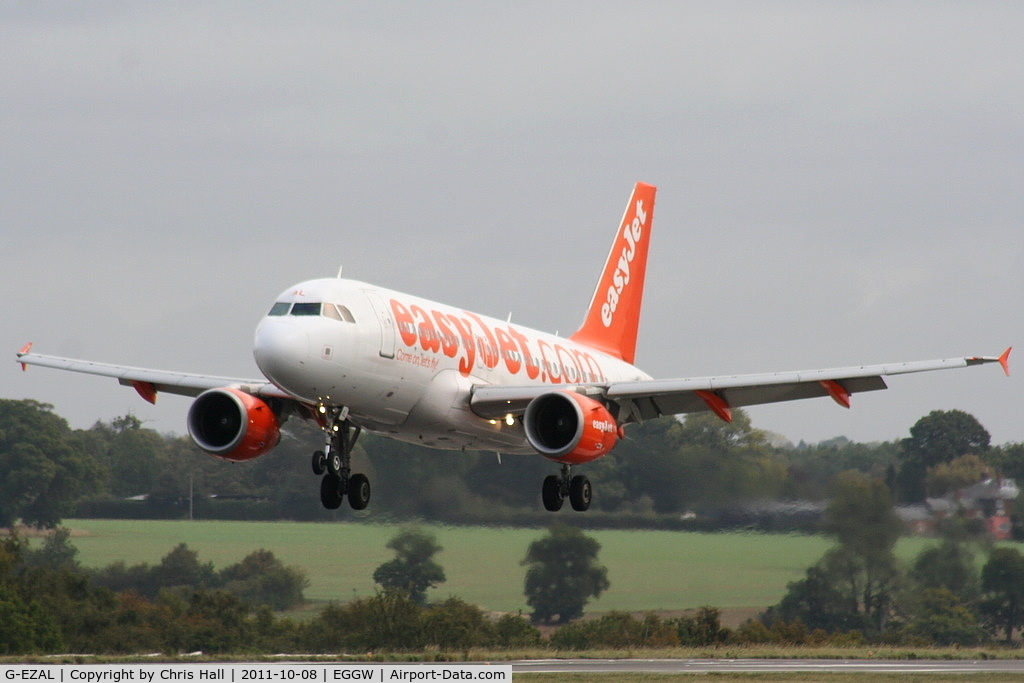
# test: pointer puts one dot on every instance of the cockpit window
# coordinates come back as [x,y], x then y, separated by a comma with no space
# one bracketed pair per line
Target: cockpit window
[306,309]
[345,314]
[330,311]
[338,312]
[280,308]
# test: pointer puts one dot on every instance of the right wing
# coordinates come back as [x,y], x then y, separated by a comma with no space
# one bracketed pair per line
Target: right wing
[647,399]
[149,382]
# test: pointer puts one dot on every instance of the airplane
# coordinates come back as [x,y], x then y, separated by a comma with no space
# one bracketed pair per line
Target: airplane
[352,356]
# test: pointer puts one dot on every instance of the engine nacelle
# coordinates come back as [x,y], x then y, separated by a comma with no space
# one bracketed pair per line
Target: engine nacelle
[570,427]
[232,424]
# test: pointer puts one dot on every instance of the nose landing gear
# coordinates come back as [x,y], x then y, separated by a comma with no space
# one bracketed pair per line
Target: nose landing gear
[557,488]
[334,463]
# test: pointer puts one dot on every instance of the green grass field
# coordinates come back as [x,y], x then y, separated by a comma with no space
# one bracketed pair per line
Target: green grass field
[648,570]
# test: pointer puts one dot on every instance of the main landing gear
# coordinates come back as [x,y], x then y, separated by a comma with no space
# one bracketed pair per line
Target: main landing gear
[559,487]
[335,464]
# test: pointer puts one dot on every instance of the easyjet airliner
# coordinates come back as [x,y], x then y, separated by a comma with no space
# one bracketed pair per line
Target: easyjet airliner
[353,356]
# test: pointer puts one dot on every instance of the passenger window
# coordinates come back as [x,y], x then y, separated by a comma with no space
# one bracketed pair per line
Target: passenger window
[280,308]
[306,309]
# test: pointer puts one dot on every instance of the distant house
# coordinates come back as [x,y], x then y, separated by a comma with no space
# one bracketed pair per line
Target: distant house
[990,500]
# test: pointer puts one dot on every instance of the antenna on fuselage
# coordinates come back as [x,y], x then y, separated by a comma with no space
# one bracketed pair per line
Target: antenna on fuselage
[340,268]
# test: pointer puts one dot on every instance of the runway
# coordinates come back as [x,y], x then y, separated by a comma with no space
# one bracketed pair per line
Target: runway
[772,666]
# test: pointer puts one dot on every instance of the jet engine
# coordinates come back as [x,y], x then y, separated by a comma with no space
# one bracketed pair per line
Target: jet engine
[570,427]
[232,424]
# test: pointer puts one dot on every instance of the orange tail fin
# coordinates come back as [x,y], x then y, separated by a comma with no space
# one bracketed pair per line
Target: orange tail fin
[614,316]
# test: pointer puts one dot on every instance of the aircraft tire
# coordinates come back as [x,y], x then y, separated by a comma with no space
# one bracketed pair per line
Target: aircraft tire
[358,491]
[330,491]
[319,463]
[334,462]
[580,493]
[551,493]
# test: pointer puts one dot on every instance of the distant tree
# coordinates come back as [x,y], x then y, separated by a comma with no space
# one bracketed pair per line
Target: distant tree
[956,474]
[706,429]
[818,601]
[950,566]
[860,515]
[42,470]
[645,471]
[180,569]
[131,455]
[812,469]
[25,623]
[1008,460]
[944,619]
[562,575]
[1002,580]
[936,438]
[413,570]
[262,579]
[854,585]
[56,553]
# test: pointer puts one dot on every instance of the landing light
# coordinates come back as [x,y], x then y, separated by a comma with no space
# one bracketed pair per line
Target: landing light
[510,419]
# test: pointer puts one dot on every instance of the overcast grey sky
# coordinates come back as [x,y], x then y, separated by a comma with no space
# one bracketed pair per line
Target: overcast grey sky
[839,183]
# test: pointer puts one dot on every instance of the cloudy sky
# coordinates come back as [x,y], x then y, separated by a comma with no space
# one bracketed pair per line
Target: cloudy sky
[839,183]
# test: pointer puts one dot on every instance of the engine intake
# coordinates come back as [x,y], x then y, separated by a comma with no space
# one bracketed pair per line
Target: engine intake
[233,425]
[570,427]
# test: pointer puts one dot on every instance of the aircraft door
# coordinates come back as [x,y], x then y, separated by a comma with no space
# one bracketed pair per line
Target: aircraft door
[387,324]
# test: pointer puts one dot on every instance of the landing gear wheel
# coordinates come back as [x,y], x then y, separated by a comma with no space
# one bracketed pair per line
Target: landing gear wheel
[551,493]
[358,491]
[580,493]
[319,463]
[330,492]
[335,462]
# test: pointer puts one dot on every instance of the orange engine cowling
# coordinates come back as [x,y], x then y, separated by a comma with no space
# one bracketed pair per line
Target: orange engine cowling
[232,424]
[570,427]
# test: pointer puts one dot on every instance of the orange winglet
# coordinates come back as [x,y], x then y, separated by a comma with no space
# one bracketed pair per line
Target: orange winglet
[24,349]
[1004,360]
[836,390]
[715,403]
[146,390]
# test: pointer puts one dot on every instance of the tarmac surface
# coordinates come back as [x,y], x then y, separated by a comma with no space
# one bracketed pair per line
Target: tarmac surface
[703,666]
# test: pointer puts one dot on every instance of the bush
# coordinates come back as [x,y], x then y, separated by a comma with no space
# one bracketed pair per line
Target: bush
[704,628]
[262,579]
[259,579]
[456,625]
[616,630]
[389,620]
[513,631]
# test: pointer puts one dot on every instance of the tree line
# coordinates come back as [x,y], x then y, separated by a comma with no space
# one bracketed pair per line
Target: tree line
[856,594]
[699,467]
[50,603]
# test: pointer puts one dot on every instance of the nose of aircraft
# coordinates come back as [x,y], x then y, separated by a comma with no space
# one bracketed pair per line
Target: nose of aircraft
[281,350]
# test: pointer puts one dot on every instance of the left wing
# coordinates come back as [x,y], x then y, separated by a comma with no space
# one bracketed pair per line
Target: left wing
[149,382]
[647,399]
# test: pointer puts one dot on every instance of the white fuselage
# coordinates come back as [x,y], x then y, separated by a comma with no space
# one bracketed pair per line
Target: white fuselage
[404,366]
